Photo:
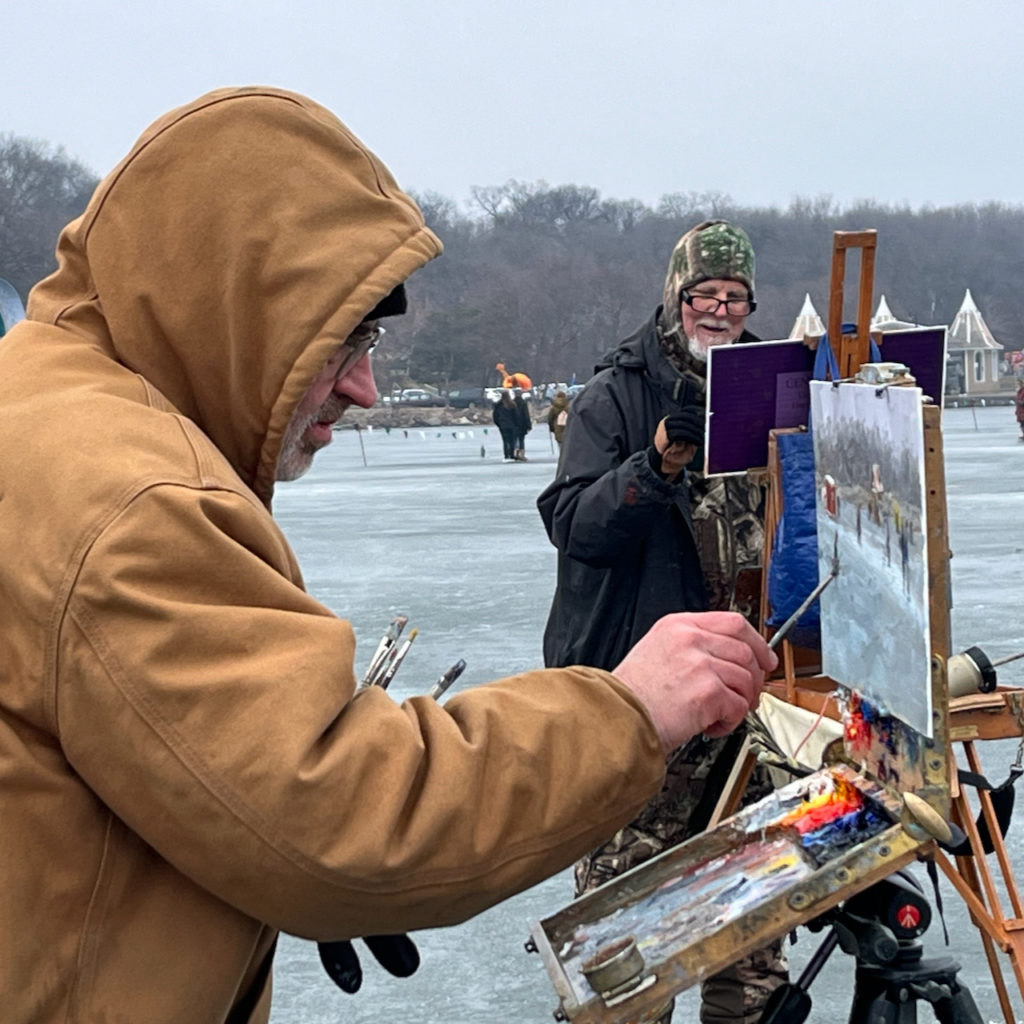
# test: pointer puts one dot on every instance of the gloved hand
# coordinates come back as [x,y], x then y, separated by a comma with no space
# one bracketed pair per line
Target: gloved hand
[395,953]
[686,427]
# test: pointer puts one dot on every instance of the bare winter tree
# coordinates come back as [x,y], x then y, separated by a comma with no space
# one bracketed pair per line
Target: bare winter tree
[41,189]
[545,279]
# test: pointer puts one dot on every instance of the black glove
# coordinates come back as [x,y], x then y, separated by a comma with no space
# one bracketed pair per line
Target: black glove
[686,427]
[395,953]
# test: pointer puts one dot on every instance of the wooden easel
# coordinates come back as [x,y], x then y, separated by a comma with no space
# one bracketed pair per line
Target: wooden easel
[970,719]
[851,349]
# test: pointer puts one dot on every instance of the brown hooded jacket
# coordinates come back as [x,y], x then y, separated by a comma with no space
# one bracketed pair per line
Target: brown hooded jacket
[183,765]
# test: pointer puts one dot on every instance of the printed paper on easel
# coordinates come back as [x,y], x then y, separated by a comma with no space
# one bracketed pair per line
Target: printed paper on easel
[870,495]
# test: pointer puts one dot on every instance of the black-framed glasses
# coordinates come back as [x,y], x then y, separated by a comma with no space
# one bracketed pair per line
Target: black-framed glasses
[712,304]
[361,342]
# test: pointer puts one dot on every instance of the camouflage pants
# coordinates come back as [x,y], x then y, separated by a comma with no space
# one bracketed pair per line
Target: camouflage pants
[693,783]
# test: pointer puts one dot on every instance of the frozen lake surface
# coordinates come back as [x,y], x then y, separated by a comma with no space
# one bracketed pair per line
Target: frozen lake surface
[431,524]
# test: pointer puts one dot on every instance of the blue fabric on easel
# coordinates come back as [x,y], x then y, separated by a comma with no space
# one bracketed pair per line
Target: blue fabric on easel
[793,572]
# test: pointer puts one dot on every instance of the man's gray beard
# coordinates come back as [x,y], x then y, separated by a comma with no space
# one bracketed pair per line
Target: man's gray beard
[696,350]
[295,457]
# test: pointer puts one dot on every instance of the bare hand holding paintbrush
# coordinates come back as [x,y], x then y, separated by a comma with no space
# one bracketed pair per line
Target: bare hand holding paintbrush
[718,664]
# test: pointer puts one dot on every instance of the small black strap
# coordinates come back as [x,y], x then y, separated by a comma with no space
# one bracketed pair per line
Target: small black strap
[1002,797]
[933,874]
[979,781]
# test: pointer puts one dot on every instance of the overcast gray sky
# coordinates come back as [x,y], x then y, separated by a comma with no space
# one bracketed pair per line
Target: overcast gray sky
[914,102]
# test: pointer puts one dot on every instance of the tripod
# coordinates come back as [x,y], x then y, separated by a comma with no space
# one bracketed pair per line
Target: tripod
[880,927]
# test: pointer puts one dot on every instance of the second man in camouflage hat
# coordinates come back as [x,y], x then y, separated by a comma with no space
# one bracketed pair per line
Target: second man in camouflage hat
[641,533]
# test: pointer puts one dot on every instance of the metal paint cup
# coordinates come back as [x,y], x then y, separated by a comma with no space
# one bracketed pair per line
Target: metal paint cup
[615,968]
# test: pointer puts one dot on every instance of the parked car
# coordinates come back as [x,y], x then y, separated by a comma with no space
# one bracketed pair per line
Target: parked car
[463,398]
[418,397]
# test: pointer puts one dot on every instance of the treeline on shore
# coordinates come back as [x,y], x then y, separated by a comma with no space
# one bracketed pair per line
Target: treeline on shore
[545,279]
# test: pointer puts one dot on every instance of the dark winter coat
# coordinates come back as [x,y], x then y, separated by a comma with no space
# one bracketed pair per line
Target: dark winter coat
[506,418]
[626,548]
[525,423]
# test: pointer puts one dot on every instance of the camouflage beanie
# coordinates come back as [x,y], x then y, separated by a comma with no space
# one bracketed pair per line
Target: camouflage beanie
[712,249]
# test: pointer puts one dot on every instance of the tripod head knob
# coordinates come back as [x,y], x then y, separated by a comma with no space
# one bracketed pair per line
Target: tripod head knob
[869,941]
[885,921]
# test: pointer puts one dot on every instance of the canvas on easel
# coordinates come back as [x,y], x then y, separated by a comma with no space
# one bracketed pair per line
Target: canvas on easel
[872,523]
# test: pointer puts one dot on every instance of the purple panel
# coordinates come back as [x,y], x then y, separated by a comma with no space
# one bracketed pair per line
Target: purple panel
[923,349]
[751,389]
[755,388]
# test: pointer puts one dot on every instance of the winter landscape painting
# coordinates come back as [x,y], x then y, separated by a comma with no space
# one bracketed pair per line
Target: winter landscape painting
[870,494]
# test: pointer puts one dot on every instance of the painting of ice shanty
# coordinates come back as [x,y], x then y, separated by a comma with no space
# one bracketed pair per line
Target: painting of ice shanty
[869,472]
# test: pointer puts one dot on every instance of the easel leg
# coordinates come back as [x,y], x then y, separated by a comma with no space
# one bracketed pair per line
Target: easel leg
[964,879]
[735,786]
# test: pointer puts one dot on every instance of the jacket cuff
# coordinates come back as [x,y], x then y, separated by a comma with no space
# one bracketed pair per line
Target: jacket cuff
[650,472]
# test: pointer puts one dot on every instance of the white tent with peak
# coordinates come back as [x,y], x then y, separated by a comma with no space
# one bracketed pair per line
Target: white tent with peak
[807,321]
[972,349]
[883,320]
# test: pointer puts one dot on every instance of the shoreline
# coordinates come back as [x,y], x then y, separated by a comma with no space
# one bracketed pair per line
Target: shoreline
[387,417]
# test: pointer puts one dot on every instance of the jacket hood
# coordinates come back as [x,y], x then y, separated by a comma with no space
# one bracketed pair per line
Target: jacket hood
[227,256]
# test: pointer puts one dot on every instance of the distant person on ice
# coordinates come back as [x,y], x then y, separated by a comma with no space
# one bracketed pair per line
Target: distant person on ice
[506,418]
[524,424]
[558,416]
[186,765]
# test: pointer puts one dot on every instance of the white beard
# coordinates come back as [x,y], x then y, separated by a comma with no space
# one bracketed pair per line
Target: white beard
[697,350]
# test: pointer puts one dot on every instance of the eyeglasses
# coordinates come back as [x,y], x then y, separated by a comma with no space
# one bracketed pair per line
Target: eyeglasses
[712,304]
[361,342]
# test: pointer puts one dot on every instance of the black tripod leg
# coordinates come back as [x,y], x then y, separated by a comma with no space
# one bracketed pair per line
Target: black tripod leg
[874,1003]
[791,1003]
[958,1008]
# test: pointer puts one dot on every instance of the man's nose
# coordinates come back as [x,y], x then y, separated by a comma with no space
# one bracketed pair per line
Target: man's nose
[358,384]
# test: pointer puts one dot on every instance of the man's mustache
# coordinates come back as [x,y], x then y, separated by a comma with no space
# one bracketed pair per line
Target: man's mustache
[333,409]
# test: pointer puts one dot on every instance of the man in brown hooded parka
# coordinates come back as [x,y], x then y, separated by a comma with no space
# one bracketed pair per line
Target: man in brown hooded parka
[185,766]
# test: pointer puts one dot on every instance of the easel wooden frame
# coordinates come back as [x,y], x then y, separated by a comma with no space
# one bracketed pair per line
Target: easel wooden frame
[851,349]
[969,719]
